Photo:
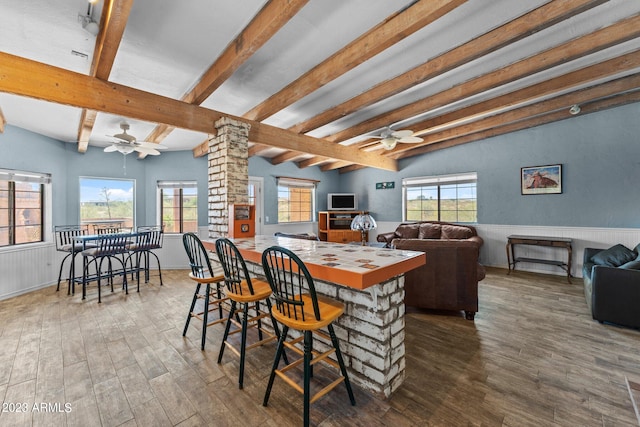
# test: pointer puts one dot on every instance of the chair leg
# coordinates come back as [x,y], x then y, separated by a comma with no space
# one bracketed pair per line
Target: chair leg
[343,369]
[159,269]
[205,316]
[307,374]
[226,331]
[60,273]
[243,343]
[276,362]
[193,304]
[277,329]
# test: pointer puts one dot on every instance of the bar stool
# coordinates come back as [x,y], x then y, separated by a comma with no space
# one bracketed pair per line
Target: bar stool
[248,293]
[299,307]
[65,242]
[148,238]
[108,247]
[202,273]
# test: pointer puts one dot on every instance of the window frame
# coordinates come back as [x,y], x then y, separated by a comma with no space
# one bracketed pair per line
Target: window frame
[134,185]
[44,185]
[437,182]
[180,185]
[296,183]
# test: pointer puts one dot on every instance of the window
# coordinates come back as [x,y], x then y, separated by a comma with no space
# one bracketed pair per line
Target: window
[450,198]
[179,206]
[21,207]
[296,200]
[107,202]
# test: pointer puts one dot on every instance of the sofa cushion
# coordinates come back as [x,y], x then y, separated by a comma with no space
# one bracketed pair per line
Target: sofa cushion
[407,231]
[632,265]
[455,232]
[615,256]
[429,230]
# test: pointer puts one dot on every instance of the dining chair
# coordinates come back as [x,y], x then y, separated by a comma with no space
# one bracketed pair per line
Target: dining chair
[147,238]
[299,307]
[203,274]
[107,248]
[65,242]
[246,293]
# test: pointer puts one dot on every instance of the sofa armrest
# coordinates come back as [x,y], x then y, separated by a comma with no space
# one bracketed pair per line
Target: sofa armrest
[386,237]
[588,254]
[477,240]
[615,295]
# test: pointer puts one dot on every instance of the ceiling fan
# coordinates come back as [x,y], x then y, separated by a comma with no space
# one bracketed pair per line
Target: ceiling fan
[127,144]
[389,138]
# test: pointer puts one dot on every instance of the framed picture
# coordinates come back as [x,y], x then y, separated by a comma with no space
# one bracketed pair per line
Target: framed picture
[541,179]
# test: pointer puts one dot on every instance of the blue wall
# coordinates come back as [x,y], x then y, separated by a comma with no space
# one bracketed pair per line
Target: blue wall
[600,157]
[259,166]
[599,153]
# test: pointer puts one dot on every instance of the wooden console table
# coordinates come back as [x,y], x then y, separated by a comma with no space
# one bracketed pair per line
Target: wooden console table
[556,242]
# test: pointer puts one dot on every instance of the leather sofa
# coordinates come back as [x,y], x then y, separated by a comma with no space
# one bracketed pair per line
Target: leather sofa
[612,284]
[449,279]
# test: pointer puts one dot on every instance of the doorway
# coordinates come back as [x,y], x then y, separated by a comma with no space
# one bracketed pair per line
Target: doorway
[256,199]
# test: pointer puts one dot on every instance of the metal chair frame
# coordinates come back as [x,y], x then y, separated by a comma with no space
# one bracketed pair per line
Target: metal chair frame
[108,247]
[65,242]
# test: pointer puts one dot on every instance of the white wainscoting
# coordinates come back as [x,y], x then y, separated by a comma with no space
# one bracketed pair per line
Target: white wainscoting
[26,268]
[494,254]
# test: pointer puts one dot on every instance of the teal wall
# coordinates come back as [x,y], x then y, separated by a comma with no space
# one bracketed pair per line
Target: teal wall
[600,157]
[599,153]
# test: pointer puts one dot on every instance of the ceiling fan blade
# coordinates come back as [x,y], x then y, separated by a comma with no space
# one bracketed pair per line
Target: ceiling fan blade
[110,149]
[146,150]
[401,133]
[152,145]
[410,139]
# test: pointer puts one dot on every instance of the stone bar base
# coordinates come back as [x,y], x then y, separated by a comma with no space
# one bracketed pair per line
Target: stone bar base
[371,332]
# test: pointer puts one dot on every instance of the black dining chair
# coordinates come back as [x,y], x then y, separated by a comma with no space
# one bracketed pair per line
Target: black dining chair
[108,247]
[65,242]
[203,274]
[147,239]
[299,307]
[246,293]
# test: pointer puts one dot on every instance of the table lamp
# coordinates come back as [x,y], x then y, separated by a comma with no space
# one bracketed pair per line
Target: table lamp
[363,223]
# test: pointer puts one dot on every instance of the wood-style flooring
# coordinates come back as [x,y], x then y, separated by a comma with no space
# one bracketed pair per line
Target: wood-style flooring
[532,357]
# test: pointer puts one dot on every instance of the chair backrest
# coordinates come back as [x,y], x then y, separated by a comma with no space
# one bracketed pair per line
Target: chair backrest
[289,279]
[198,256]
[107,230]
[235,269]
[111,244]
[65,235]
[150,236]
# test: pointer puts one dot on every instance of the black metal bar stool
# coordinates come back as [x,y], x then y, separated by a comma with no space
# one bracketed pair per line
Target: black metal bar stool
[108,247]
[65,242]
[248,293]
[203,274]
[299,307]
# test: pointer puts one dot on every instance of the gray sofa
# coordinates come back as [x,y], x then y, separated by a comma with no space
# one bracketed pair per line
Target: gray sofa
[612,284]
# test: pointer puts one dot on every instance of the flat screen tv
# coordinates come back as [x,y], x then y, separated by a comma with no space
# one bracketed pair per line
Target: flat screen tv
[342,202]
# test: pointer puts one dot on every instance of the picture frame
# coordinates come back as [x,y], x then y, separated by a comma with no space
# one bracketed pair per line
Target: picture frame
[541,179]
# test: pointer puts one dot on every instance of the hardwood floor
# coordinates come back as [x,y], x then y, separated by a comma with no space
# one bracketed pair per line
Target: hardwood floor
[533,357]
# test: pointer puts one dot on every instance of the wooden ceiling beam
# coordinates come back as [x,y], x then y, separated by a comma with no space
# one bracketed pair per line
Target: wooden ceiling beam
[269,20]
[531,93]
[382,36]
[313,161]
[598,40]
[115,14]
[626,89]
[24,77]
[530,23]
[591,107]
[257,148]
[285,157]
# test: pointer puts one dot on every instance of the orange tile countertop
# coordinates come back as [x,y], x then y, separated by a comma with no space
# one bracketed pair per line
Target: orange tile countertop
[350,265]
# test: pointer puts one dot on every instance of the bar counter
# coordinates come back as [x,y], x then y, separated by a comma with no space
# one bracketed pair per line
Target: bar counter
[370,282]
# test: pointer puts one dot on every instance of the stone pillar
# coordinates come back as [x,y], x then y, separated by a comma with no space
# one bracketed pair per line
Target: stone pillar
[228,172]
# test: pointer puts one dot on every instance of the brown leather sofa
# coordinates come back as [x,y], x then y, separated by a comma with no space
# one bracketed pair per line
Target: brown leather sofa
[449,279]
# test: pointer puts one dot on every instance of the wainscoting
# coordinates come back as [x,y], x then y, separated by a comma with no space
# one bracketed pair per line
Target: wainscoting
[29,267]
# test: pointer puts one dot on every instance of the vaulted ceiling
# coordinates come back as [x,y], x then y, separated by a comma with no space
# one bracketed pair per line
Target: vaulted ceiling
[318,80]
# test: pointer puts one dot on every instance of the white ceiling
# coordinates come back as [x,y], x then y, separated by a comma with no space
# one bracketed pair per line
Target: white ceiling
[168,45]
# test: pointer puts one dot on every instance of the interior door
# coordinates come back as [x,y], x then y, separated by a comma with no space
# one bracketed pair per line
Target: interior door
[255,198]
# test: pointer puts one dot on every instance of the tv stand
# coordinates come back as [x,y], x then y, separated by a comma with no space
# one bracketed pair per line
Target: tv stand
[335,226]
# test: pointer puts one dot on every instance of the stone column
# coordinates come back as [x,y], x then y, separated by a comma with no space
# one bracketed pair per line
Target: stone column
[228,172]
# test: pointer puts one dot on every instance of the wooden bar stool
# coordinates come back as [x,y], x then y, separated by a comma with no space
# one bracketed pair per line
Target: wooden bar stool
[299,307]
[246,292]
[203,274]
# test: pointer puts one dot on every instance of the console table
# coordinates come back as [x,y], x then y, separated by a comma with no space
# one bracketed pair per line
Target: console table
[556,242]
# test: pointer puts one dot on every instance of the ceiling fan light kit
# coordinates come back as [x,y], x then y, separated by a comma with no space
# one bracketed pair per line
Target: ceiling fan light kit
[389,138]
[127,144]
